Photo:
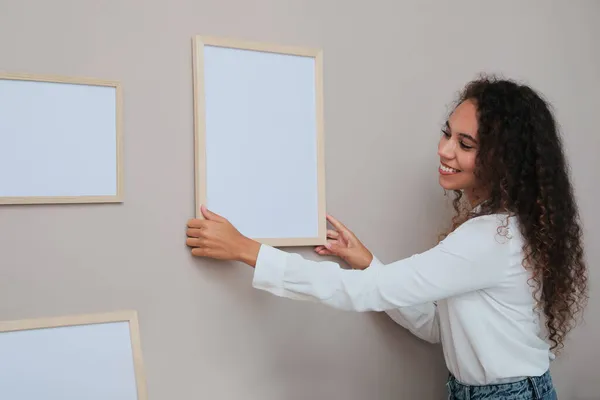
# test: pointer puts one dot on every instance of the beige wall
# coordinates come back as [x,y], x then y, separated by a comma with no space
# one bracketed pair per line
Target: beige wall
[391,69]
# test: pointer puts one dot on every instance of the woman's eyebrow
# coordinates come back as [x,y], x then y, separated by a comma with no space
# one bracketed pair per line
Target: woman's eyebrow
[461,134]
[468,137]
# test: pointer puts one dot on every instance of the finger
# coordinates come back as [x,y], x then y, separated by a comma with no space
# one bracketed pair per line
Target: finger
[332,234]
[194,242]
[331,243]
[321,250]
[336,224]
[196,223]
[324,246]
[334,246]
[200,252]
[195,232]
[209,215]
[346,236]
[325,253]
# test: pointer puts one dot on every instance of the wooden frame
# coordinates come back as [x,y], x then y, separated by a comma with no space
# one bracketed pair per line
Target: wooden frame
[88,319]
[199,42]
[118,197]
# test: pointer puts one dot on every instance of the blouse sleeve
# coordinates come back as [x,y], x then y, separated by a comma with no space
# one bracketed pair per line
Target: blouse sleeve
[469,259]
[421,320]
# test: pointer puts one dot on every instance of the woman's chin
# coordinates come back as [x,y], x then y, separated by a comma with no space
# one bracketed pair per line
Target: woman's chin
[447,183]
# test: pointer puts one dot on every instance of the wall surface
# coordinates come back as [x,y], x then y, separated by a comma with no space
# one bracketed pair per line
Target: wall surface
[391,70]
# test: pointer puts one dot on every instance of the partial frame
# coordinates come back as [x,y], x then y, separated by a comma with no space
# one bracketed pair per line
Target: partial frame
[198,43]
[129,316]
[118,197]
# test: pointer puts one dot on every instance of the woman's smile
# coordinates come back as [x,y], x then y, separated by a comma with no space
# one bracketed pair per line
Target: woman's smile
[447,170]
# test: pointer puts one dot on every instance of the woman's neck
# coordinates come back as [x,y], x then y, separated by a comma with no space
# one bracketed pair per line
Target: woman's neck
[475,197]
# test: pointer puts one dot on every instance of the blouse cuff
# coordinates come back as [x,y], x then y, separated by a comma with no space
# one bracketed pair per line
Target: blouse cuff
[270,269]
[375,262]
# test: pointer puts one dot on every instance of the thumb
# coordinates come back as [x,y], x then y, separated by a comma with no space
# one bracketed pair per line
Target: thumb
[209,215]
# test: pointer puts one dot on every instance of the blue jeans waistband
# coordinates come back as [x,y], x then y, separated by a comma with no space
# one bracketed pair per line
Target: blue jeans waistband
[532,388]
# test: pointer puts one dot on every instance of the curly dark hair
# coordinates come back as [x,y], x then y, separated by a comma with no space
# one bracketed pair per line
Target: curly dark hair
[520,162]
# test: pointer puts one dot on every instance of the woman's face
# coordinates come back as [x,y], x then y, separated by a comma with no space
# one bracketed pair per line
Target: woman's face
[458,149]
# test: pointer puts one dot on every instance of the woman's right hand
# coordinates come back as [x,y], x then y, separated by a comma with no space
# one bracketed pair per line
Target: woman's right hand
[343,243]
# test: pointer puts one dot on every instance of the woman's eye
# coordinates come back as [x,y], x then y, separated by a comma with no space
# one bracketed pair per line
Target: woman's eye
[465,146]
[446,133]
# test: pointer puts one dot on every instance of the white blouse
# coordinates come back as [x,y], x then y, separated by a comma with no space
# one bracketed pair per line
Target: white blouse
[470,292]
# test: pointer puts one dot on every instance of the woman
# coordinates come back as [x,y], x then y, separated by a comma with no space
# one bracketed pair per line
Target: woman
[513,255]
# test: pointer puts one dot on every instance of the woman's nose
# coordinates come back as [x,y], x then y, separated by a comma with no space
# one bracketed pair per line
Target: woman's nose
[446,149]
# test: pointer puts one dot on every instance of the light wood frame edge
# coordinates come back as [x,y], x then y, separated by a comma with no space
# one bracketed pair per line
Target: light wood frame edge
[198,42]
[118,198]
[129,316]
[199,126]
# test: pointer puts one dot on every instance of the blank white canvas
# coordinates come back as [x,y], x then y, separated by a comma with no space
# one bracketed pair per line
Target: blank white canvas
[261,141]
[91,362]
[57,139]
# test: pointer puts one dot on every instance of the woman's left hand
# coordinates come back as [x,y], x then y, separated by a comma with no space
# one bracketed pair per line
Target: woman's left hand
[215,237]
[342,242]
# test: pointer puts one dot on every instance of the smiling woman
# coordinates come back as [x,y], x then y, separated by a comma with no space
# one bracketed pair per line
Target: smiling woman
[481,292]
[458,149]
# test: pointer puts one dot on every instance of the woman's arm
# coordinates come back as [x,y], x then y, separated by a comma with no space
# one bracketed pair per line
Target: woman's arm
[421,320]
[469,259]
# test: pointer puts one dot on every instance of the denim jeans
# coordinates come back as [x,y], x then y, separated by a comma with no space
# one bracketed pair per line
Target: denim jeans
[532,388]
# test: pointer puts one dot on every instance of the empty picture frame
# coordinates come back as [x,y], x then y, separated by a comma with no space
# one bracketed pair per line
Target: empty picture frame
[92,357]
[60,140]
[259,138]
